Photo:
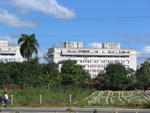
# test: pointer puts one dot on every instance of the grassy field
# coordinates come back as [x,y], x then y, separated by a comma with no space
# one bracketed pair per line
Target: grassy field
[59,97]
[50,97]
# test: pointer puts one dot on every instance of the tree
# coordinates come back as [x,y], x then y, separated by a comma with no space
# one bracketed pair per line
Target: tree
[28,45]
[116,68]
[14,71]
[115,77]
[4,75]
[31,71]
[73,74]
[52,75]
[143,75]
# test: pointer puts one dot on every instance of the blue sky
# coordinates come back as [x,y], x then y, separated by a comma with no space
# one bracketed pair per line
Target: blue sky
[88,21]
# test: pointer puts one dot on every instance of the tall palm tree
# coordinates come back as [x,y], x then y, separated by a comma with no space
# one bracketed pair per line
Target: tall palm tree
[28,45]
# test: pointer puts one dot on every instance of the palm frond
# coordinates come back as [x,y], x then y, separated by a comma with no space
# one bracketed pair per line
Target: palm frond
[28,46]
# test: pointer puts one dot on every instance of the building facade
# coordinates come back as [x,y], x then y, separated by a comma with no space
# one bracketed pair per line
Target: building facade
[94,60]
[9,53]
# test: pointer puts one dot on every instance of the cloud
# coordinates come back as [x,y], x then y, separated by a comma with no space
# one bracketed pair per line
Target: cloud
[137,37]
[11,40]
[144,54]
[50,7]
[41,53]
[95,45]
[12,20]
[145,51]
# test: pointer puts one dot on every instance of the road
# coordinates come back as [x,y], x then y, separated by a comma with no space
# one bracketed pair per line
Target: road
[73,110]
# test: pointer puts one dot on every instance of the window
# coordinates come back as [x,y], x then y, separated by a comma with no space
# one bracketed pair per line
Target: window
[102,61]
[94,70]
[109,51]
[12,59]
[96,61]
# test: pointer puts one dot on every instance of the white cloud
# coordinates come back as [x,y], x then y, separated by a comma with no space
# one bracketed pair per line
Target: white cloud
[50,7]
[137,37]
[12,20]
[95,45]
[11,40]
[41,53]
[145,51]
[143,54]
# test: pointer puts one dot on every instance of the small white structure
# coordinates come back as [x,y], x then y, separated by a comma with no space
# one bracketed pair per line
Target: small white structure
[94,60]
[9,53]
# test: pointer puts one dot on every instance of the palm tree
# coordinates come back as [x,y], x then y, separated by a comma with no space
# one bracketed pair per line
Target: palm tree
[28,45]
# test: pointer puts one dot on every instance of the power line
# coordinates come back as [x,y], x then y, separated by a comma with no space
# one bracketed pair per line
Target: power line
[89,18]
[81,19]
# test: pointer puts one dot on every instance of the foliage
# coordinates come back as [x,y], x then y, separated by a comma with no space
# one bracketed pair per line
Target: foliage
[52,75]
[143,76]
[73,74]
[28,45]
[4,78]
[115,77]
[31,73]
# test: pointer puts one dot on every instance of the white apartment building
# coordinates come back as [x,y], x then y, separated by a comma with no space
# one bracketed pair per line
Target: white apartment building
[94,60]
[9,53]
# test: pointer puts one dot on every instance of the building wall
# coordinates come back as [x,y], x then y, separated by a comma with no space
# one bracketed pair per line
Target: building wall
[94,60]
[111,45]
[9,53]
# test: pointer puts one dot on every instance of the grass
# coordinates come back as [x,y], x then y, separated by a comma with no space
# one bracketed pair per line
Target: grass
[50,97]
[115,93]
[59,97]
[116,101]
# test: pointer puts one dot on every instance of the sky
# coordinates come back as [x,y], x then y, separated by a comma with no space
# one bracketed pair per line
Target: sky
[89,21]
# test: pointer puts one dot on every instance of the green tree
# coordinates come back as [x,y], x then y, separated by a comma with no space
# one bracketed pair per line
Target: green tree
[51,75]
[143,75]
[28,45]
[73,74]
[30,72]
[115,77]
[116,68]
[14,71]
[4,75]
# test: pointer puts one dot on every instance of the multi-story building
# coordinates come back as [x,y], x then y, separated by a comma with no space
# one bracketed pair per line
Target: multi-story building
[9,53]
[94,60]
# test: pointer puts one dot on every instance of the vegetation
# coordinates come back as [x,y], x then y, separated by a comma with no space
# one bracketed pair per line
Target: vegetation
[81,97]
[50,96]
[143,76]
[115,78]
[32,73]
[28,45]
[73,74]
